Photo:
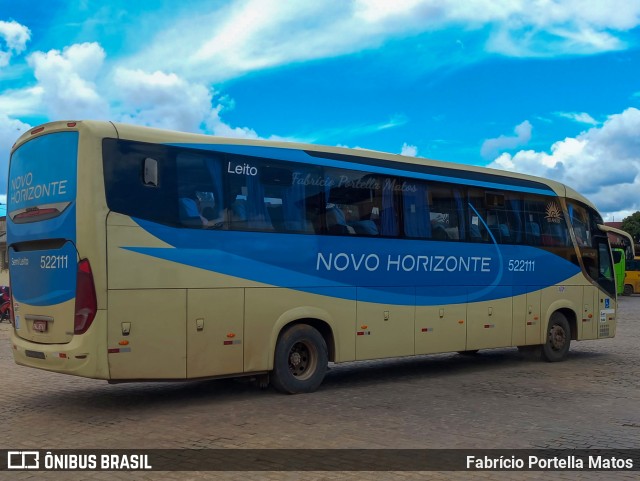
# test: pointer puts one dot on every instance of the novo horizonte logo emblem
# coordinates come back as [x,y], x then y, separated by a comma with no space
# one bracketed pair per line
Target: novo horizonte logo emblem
[23,460]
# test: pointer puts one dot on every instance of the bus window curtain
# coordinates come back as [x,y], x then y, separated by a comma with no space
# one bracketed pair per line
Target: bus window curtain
[515,206]
[294,206]
[257,213]
[462,225]
[389,226]
[417,221]
[214,166]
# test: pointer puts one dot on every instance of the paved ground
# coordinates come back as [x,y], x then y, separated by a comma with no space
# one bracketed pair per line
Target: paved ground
[493,400]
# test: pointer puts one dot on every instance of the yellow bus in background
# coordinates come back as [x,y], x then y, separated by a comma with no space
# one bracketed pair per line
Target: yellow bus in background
[632,277]
[144,254]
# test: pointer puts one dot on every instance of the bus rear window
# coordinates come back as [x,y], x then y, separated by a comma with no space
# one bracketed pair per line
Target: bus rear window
[42,177]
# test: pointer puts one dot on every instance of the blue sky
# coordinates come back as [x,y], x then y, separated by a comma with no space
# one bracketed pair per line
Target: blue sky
[550,88]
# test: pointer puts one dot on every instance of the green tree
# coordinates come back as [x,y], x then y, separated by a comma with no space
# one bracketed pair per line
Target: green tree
[631,224]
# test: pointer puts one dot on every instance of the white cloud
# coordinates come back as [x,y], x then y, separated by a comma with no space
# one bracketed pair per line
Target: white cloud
[409,150]
[602,163]
[18,102]
[491,147]
[580,117]
[67,81]
[161,99]
[15,37]
[216,126]
[249,35]
[75,83]
[166,100]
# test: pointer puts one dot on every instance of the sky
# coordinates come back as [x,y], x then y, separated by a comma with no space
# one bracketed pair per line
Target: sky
[543,87]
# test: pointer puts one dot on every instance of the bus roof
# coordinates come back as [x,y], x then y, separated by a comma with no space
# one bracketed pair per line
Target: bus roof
[156,135]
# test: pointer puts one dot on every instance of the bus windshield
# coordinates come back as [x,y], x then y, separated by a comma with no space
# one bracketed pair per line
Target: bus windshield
[593,245]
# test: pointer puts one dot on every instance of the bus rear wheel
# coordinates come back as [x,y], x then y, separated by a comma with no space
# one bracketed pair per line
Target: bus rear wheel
[300,360]
[558,340]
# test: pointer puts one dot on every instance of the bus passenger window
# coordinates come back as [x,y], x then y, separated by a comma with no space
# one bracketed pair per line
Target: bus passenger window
[336,221]
[417,220]
[532,233]
[478,216]
[189,213]
[445,213]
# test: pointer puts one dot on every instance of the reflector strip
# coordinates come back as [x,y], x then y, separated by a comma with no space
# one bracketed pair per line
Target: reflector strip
[229,343]
[489,326]
[115,350]
[427,329]
[364,333]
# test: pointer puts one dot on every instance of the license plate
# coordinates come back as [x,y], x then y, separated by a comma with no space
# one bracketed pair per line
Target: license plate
[40,326]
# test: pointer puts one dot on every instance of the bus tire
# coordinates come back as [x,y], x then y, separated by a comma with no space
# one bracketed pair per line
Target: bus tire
[628,290]
[300,360]
[558,340]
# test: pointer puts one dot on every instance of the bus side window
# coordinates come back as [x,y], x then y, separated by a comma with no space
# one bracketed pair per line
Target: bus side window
[532,233]
[445,213]
[477,216]
[189,213]
[336,221]
[416,210]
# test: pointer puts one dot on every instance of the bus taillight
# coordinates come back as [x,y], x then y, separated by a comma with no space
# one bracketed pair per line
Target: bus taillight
[86,303]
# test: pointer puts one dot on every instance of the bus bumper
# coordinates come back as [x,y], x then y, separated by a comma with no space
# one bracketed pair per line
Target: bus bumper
[85,355]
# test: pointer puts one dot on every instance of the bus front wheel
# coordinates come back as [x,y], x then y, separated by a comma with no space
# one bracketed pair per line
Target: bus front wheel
[558,340]
[628,289]
[300,360]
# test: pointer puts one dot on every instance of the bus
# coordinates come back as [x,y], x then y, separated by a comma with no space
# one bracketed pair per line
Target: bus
[619,268]
[624,260]
[632,277]
[140,254]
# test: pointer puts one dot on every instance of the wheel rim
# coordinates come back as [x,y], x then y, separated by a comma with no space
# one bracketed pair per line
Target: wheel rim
[303,360]
[557,338]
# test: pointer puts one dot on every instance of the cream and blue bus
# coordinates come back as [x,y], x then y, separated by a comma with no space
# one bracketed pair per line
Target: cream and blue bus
[144,254]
